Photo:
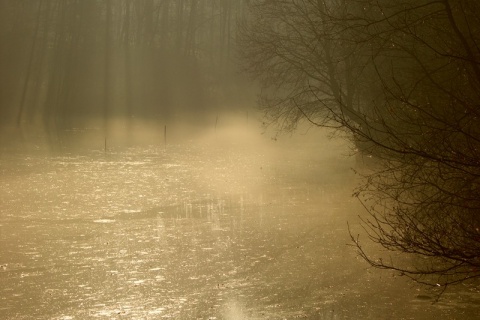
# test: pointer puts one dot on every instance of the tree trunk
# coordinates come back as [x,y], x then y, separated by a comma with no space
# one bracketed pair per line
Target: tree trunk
[30,64]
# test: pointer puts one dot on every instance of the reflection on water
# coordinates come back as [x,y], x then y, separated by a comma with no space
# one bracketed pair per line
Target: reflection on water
[194,232]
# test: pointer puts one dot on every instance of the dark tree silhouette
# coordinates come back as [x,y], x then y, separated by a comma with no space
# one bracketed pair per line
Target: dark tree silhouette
[402,80]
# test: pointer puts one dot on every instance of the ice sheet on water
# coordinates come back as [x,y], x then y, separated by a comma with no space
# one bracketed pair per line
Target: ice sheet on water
[104,220]
[216,234]
[156,311]
[131,210]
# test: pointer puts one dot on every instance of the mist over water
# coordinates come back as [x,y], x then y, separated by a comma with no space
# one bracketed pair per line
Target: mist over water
[220,222]
[137,180]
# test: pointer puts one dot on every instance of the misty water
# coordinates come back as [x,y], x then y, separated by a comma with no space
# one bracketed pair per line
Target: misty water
[230,225]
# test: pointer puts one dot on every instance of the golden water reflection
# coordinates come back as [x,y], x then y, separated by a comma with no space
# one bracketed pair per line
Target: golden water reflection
[198,232]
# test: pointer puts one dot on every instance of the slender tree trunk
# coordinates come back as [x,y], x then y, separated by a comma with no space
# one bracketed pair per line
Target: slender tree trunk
[190,33]
[164,23]
[41,72]
[30,64]
[128,63]
[108,65]
[180,27]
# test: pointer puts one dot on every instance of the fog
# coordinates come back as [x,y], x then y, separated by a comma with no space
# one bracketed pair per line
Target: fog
[145,175]
[65,62]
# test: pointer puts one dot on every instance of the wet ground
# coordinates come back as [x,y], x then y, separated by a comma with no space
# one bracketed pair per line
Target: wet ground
[199,230]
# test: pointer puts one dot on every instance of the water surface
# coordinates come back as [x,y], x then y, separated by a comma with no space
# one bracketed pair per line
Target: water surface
[199,230]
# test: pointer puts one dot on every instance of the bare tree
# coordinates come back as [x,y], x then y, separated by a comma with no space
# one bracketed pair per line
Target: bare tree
[402,79]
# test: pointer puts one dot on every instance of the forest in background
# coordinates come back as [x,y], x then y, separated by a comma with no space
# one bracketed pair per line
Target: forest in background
[65,61]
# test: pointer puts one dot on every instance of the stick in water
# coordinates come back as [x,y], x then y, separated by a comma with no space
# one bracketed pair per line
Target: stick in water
[165,137]
[105,144]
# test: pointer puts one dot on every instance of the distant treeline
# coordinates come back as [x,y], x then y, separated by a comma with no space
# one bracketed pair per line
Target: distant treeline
[71,59]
